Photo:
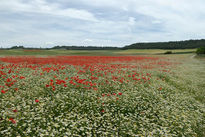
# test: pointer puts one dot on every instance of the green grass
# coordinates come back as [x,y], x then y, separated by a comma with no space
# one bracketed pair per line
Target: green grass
[189,80]
[93,52]
[56,52]
[153,51]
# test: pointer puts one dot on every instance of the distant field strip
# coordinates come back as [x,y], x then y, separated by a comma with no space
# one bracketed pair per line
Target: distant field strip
[93,52]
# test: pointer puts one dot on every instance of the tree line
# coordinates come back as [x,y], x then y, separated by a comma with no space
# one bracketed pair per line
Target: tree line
[187,44]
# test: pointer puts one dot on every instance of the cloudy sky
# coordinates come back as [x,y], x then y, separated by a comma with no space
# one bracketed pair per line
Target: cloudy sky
[46,23]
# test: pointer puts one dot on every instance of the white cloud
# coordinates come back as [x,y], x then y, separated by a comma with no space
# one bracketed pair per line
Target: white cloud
[87,40]
[131,21]
[49,43]
[156,22]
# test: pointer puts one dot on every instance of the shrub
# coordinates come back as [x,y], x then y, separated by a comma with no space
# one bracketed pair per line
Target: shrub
[168,52]
[200,50]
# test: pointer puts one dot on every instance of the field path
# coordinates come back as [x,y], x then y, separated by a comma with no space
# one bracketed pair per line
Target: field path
[192,56]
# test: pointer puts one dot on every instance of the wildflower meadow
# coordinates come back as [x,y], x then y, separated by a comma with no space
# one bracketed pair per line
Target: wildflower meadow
[100,96]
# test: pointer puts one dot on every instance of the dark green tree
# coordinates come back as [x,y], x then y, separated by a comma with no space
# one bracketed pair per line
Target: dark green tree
[200,50]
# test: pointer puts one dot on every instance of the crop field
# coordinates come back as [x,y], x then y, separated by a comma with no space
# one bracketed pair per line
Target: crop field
[38,52]
[153,95]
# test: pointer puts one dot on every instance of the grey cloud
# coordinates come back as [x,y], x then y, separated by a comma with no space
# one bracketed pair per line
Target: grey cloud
[99,22]
[43,7]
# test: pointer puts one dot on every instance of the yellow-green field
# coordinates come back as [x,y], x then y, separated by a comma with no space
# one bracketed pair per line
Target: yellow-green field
[93,52]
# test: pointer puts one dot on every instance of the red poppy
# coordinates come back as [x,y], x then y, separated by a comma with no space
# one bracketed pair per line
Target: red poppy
[15,110]
[36,100]
[12,120]
[120,93]
[22,77]
[2,91]
[9,80]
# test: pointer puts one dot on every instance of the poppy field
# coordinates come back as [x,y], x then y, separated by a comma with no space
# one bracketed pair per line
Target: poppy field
[101,96]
